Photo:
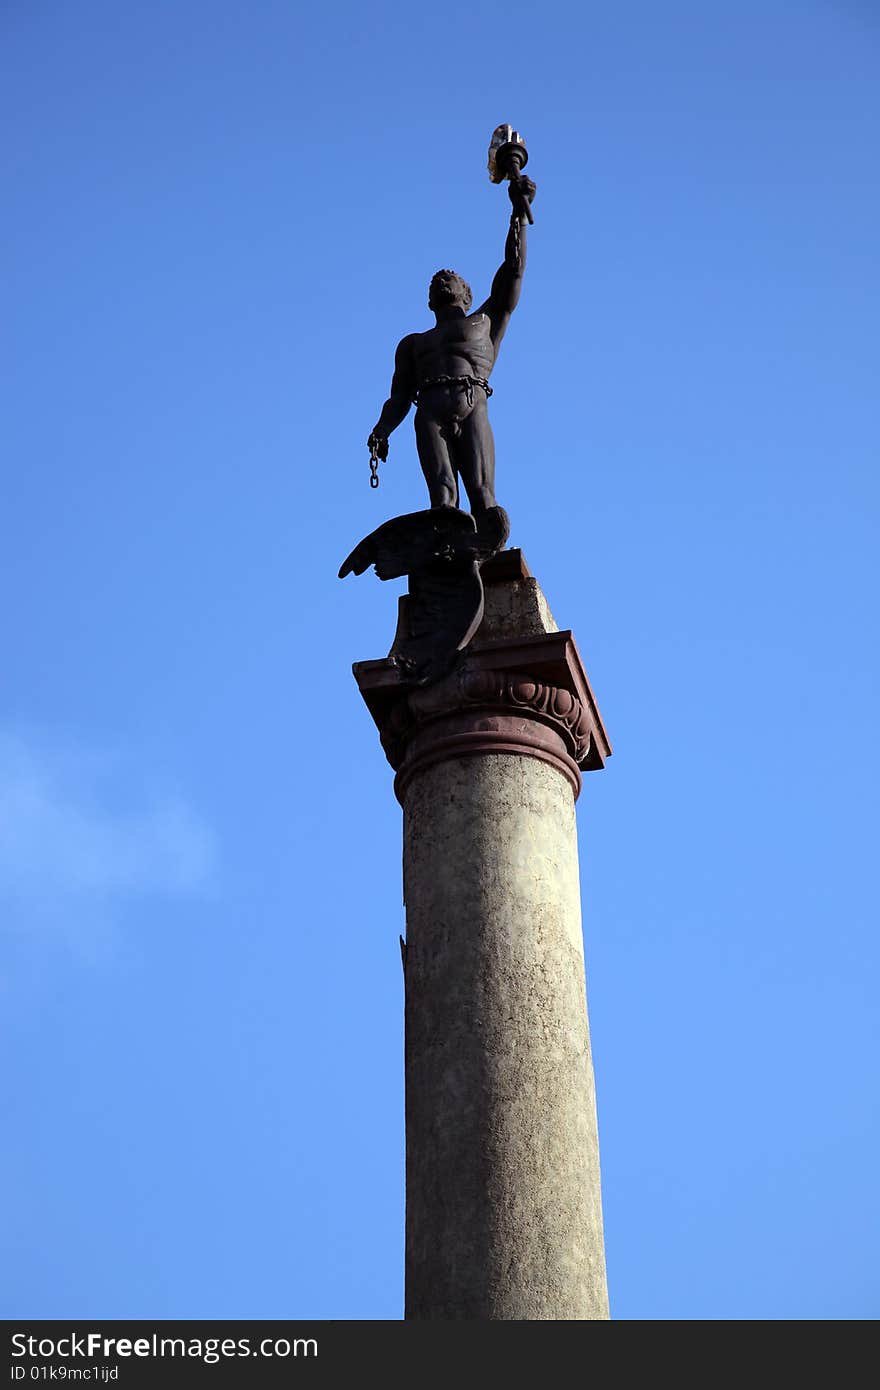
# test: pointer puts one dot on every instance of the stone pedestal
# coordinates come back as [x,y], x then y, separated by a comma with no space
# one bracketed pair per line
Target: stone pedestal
[503,1206]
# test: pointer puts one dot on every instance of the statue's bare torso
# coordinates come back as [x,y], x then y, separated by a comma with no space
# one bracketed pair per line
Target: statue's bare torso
[459,347]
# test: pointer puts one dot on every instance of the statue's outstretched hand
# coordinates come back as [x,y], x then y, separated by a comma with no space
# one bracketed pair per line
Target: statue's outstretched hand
[378,445]
[521,191]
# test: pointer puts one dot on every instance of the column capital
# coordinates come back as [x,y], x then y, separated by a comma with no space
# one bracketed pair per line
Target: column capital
[527,695]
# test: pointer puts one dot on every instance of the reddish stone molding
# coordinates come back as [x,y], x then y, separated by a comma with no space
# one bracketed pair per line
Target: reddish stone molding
[479,711]
[502,689]
[468,733]
[529,696]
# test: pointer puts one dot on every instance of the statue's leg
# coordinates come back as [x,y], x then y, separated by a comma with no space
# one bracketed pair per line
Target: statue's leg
[475,458]
[436,463]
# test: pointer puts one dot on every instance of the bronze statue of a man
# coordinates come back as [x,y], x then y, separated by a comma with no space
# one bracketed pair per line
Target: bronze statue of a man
[446,370]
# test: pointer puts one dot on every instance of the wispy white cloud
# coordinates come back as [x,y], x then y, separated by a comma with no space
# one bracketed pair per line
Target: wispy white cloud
[76,826]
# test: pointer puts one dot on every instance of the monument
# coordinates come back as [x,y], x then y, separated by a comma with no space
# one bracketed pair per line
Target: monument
[485,713]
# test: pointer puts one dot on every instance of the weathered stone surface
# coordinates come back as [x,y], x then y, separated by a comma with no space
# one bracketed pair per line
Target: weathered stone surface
[514,604]
[504,1213]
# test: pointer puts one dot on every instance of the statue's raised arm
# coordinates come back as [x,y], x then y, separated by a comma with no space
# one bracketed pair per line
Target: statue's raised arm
[506,286]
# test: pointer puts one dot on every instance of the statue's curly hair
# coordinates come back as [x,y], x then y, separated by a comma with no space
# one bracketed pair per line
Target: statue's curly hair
[468,294]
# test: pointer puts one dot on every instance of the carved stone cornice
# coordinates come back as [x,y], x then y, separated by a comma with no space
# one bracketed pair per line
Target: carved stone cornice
[480,711]
[528,696]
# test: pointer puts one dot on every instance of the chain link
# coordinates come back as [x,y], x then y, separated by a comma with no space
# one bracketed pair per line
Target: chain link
[374,466]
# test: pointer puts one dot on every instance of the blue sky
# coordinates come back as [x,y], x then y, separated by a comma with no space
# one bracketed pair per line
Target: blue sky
[220,220]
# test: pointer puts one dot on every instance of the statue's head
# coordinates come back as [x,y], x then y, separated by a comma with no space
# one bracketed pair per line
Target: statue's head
[447,289]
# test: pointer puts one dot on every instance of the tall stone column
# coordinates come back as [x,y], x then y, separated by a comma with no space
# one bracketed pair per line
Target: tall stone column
[503,1204]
